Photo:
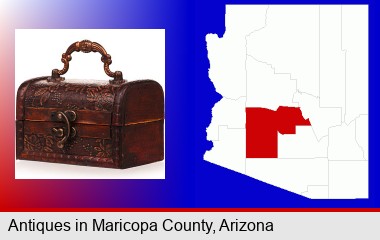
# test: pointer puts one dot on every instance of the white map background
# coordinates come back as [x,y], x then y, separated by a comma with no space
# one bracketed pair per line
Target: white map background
[308,56]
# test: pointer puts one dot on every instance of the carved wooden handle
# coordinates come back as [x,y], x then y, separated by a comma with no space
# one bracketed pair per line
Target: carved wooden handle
[86,46]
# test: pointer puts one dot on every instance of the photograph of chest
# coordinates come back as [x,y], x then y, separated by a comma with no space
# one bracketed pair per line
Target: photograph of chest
[114,124]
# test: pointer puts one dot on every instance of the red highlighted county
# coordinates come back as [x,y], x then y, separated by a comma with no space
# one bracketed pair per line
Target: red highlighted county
[262,126]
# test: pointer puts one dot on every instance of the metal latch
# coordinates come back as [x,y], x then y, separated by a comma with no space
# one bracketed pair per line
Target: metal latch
[67,131]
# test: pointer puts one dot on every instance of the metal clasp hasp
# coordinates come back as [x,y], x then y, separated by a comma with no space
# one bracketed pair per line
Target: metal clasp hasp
[66,131]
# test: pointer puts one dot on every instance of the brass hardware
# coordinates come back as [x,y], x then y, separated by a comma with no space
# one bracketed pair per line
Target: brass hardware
[57,132]
[86,46]
[67,131]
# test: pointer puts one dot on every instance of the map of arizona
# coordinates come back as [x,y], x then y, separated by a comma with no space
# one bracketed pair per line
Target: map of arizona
[294,107]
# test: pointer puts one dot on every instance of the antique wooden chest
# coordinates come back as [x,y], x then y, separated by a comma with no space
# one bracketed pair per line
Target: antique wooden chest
[116,124]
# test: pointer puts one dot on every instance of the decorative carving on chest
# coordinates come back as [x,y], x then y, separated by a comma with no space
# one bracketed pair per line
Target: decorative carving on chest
[71,96]
[91,146]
